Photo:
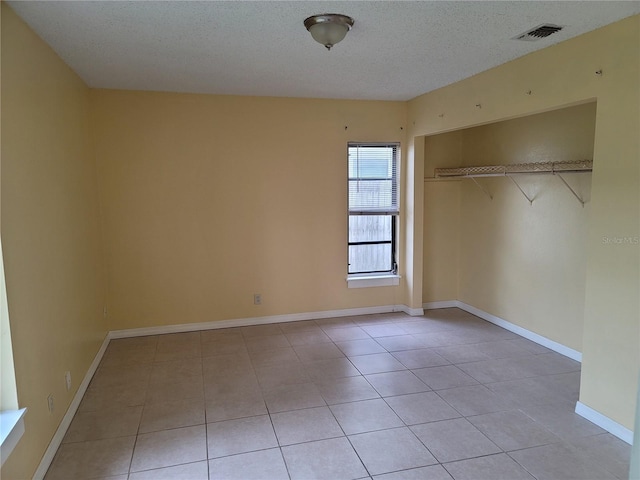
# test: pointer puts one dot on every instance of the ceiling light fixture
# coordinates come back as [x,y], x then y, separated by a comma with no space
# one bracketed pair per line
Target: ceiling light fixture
[328,28]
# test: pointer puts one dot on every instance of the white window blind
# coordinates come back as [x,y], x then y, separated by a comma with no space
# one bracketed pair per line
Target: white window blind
[373,179]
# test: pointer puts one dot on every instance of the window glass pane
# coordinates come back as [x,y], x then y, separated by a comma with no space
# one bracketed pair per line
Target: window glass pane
[370,258]
[373,178]
[369,228]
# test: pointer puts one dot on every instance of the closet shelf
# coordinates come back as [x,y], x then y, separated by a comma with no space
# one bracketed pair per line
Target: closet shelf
[540,168]
[516,168]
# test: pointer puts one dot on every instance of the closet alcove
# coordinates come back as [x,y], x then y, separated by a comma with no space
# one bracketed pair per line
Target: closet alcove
[506,211]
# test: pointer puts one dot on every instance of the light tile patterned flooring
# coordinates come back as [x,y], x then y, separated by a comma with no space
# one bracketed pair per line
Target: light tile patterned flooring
[390,397]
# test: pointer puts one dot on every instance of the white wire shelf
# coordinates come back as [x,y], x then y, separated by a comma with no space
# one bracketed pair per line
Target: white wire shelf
[517,168]
[538,168]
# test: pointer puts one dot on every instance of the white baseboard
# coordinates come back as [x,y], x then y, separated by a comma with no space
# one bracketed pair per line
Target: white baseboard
[605,422]
[56,441]
[523,332]
[245,322]
[438,305]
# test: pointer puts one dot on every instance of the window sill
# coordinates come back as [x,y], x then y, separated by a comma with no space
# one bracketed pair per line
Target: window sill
[11,430]
[365,281]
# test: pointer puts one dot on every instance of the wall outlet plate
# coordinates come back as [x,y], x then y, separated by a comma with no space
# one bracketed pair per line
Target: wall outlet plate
[67,379]
[257,299]
[50,403]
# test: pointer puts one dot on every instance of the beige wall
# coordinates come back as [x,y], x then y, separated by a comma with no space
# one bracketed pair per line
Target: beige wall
[611,336]
[210,199]
[441,230]
[50,233]
[441,240]
[523,263]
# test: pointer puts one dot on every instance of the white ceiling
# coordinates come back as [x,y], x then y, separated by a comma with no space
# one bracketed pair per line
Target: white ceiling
[396,50]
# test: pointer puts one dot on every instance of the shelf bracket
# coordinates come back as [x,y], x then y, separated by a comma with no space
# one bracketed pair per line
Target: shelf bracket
[570,189]
[521,190]
[482,188]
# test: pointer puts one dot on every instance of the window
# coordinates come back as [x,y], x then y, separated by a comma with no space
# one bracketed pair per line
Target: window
[11,418]
[373,208]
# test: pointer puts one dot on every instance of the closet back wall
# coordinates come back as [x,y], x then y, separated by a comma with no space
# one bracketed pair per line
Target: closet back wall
[523,263]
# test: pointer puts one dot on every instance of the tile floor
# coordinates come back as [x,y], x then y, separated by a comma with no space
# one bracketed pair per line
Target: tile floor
[445,396]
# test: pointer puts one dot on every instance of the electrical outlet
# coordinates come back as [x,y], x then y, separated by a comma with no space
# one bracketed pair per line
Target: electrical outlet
[50,403]
[104,312]
[67,379]
[257,299]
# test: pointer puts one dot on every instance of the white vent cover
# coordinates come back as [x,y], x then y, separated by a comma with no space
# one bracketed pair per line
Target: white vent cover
[539,32]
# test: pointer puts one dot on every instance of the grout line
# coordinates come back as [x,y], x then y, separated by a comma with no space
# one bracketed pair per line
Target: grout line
[522,466]
[206,425]
[284,460]
[275,434]
[350,442]
[133,450]
[206,441]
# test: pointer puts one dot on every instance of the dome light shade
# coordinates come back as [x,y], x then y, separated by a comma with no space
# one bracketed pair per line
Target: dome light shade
[328,28]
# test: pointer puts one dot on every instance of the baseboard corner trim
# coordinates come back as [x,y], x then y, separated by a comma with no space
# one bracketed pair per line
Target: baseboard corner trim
[611,426]
[523,332]
[414,312]
[61,431]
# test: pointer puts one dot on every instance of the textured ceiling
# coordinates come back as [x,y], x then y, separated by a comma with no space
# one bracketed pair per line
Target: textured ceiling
[395,51]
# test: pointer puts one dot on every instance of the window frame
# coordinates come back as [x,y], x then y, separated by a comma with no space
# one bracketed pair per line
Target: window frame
[364,278]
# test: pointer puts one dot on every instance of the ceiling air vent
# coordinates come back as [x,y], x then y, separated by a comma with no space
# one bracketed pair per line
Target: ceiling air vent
[538,32]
